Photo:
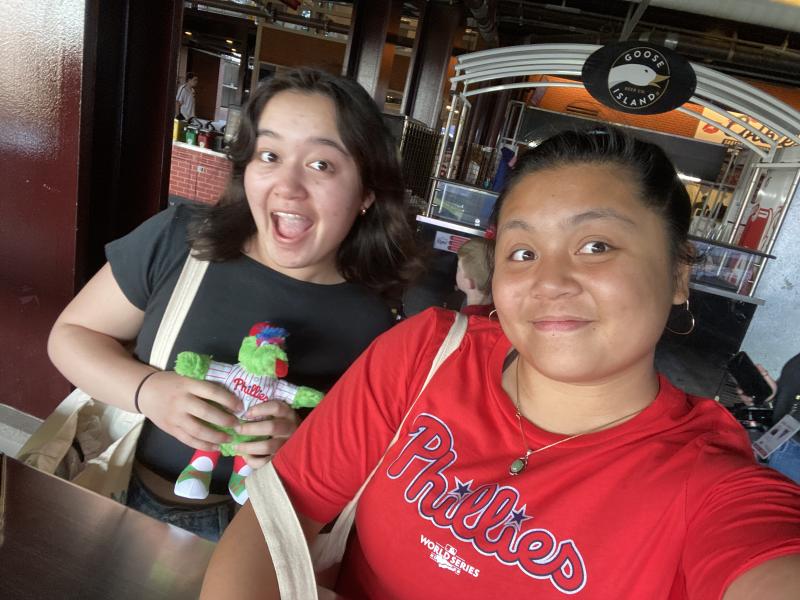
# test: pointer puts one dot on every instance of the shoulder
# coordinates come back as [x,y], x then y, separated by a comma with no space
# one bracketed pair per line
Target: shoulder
[142,259]
[425,331]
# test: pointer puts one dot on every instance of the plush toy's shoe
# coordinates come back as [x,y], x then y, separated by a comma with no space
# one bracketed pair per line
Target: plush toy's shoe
[193,483]
[236,484]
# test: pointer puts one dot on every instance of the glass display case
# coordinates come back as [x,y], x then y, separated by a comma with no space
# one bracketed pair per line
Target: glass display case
[728,269]
[461,203]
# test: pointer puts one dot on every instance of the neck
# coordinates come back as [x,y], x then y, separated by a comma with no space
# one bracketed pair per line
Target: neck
[569,408]
[323,273]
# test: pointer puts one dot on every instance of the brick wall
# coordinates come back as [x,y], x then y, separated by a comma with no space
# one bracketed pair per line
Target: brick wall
[197,173]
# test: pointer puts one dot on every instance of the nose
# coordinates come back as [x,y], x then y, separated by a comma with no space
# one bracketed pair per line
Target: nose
[553,278]
[288,182]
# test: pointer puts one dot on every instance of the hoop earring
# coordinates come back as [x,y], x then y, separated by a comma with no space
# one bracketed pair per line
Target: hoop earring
[691,326]
[493,313]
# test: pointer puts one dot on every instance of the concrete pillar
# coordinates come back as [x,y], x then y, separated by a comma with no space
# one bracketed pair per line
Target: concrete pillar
[368,58]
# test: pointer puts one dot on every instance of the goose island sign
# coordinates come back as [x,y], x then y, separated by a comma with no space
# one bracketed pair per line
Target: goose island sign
[639,78]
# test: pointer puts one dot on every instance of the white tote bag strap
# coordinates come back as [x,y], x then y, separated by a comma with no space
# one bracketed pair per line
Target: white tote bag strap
[451,342]
[332,552]
[280,526]
[179,303]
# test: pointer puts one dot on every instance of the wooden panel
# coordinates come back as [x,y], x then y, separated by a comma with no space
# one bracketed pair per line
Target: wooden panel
[42,158]
[86,113]
[207,69]
[281,47]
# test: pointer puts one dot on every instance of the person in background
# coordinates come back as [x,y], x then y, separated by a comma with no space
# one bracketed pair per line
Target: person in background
[310,234]
[474,277]
[184,100]
[547,457]
[785,400]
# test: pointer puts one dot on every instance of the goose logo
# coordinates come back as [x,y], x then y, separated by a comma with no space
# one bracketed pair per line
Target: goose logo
[639,78]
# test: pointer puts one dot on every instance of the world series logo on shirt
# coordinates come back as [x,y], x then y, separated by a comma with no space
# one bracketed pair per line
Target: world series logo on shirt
[447,557]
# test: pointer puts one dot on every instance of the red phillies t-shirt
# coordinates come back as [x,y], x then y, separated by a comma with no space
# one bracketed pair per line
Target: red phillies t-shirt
[667,505]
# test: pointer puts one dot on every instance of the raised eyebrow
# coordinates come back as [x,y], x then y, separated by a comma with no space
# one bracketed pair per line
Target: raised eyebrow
[599,213]
[316,140]
[332,144]
[516,224]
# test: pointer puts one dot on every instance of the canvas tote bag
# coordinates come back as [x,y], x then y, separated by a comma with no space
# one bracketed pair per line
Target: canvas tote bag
[295,564]
[107,435]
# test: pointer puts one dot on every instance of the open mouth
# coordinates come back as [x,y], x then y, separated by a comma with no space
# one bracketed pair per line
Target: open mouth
[290,226]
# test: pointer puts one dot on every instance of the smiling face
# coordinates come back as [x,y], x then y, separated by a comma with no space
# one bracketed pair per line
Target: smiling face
[583,279]
[303,188]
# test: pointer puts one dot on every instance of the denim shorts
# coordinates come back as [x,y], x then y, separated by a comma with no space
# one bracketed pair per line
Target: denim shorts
[206,521]
[786,459]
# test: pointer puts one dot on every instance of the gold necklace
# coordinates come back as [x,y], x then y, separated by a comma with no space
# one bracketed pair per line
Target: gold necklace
[519,464]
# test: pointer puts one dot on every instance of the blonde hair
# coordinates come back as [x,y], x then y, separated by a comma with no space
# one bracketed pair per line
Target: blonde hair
[474,258]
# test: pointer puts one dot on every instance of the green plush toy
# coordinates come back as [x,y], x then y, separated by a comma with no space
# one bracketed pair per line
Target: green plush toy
[257,377]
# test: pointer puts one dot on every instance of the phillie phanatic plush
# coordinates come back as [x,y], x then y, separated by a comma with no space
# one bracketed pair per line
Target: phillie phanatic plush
[255,378]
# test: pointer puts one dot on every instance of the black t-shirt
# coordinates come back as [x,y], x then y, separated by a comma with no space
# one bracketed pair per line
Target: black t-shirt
[328,325]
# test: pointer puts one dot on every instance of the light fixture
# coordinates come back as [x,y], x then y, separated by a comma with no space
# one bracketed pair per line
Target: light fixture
[689,178]
[229,41]
[188,32]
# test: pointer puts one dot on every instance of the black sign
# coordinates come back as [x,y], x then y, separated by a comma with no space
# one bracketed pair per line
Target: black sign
[639,78]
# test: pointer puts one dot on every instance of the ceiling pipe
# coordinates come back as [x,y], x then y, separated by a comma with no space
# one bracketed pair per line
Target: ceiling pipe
[483,11]
[275,15]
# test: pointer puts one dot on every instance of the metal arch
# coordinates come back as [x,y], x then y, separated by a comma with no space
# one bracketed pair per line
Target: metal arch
[713,88]
[700,117]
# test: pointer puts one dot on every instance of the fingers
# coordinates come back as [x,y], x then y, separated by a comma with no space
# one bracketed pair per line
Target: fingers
[216,393]
[274,409]
[256,462]
[260,449]
[211,413]
[280,428]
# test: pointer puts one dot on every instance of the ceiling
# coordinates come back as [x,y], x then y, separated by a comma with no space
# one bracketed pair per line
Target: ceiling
[759,39]
[756,39]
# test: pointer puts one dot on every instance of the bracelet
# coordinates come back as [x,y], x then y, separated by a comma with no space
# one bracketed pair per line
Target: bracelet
[139,389]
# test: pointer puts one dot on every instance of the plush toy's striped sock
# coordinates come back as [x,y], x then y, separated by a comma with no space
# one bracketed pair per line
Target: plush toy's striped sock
[195,480]
[236,483]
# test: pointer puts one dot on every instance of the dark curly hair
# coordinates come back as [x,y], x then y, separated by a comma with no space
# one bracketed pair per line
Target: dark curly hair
[379,252]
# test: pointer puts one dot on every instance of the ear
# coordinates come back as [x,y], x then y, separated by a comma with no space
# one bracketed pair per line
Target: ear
[368,199]
[681,291]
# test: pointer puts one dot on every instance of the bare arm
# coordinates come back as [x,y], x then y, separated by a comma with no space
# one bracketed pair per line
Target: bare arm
[241,566]
[87,345]
[86,342]
[777,579]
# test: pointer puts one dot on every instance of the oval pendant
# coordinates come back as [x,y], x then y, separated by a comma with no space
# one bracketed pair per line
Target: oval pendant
[518,466]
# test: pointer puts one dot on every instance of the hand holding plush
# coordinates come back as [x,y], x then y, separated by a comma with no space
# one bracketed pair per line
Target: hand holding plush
[257,377]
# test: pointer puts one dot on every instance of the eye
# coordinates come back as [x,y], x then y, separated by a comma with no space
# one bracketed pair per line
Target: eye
[267,156]
[320,165]
[594,247]
[522,255]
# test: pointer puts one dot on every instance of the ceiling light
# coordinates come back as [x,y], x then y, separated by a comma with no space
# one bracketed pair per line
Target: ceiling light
[689,178]
[229,41]
[188,32]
